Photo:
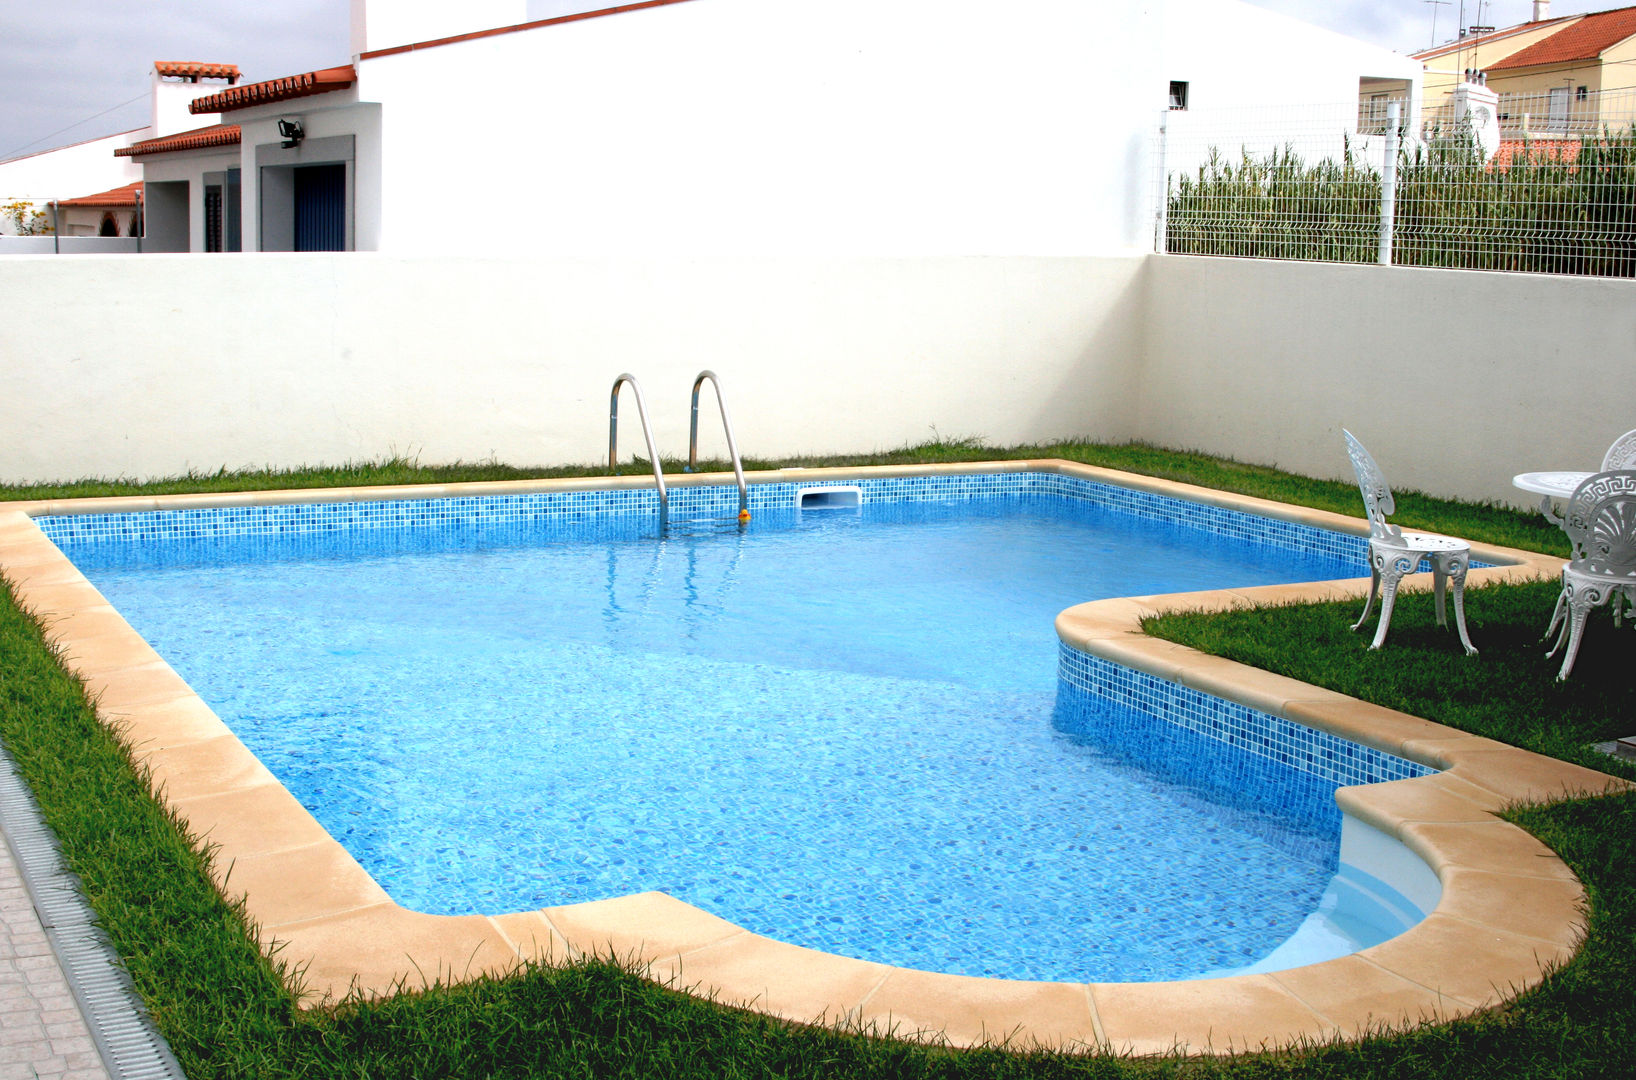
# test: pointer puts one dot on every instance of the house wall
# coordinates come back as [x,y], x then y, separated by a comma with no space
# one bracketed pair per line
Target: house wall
[167,218]
[81,221]
[853,127]
[1456,380]
[909,127]
[1445,72]
[171,98]
[1280,84]
[336,131]
[1619,66]
[170,229]
[1236,54]
[1543,80]
[137,367]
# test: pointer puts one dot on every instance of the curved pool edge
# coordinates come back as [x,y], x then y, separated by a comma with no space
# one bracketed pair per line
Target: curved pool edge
[1510,909]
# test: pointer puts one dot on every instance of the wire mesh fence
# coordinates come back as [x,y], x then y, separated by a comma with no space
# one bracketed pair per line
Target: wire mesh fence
[1540,191]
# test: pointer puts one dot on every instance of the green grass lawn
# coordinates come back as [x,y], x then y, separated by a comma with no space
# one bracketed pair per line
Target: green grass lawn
[230,1012]
[1494,524]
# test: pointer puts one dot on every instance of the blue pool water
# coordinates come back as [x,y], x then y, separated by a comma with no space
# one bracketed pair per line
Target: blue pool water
[839,729]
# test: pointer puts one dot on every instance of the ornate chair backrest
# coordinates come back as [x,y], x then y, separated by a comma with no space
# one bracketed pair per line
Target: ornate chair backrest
[1377,497]
[1601,523]
[1622,454]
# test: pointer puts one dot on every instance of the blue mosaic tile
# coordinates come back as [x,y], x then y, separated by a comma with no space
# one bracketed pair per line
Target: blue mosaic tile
[686,503]
[1308,750]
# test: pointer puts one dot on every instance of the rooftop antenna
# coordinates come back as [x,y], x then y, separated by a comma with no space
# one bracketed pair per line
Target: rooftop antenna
[1460,51]
[1435,4]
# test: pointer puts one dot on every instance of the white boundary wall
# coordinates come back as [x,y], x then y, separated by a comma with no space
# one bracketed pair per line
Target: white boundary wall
[69,245]
[153,365]
[1456,380]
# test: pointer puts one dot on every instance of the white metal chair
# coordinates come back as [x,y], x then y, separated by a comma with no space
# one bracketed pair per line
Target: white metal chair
[1622,454]
[1393,553]
[1601,525]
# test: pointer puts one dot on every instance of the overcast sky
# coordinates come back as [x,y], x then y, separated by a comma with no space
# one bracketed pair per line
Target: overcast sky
[72,70]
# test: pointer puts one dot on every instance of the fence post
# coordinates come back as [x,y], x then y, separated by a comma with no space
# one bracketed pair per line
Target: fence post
[1161,187]
[1388,182]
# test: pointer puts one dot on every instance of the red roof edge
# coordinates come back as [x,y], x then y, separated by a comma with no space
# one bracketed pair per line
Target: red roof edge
[264,93]
[197,139]
[1470,40]
[497,31]
[129,195]
[194,70]
[65,146]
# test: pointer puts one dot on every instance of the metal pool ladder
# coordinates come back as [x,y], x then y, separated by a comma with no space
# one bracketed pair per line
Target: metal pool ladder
[732,444]
[647,433]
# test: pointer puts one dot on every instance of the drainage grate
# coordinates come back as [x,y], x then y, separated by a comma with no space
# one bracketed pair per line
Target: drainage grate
[130,1045]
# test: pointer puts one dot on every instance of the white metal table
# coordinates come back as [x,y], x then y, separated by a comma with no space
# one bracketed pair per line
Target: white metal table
[1550,486]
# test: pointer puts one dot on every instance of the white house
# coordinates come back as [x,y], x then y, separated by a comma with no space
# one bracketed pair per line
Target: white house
[744,127]
[84,172]
[39,180]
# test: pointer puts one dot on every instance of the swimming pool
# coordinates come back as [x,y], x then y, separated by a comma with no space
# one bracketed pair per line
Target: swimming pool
[953,809]
[1507,909]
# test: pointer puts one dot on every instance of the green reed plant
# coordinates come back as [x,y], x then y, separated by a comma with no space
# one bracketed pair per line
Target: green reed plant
[1554,206]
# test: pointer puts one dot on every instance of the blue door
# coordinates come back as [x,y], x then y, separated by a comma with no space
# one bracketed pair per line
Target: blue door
[320,208]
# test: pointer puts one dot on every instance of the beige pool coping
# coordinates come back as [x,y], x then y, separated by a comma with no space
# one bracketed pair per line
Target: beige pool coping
[1510,909]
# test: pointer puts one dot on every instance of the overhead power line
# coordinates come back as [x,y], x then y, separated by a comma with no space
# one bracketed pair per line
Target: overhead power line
[13,153]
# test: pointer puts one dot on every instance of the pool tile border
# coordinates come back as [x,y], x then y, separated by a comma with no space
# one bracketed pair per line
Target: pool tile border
[1510,909]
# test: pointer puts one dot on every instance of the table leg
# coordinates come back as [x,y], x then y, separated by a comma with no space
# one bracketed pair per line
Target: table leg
[1548,508]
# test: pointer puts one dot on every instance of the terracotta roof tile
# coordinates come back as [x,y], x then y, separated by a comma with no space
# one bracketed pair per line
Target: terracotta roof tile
[128,195]
[264,93]
[1536,151]
[192,69]
[1585,39]
[198,139]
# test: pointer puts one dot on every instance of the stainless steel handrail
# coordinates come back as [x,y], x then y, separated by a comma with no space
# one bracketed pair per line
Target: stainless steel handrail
[647,433]
[732,444]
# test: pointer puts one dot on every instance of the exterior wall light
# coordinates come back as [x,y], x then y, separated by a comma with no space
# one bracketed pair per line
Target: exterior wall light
[290,131]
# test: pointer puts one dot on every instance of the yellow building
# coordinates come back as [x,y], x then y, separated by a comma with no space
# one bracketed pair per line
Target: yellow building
[1554,76]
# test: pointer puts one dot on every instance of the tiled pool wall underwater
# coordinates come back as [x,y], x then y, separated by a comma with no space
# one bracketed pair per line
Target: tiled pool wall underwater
[686,502]
[1328,757]
[1317,753]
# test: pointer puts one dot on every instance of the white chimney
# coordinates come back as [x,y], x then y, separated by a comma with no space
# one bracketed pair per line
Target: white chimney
[177,85]
[1542,10]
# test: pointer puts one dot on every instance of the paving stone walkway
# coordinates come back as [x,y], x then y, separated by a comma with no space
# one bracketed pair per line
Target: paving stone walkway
[43,1036]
